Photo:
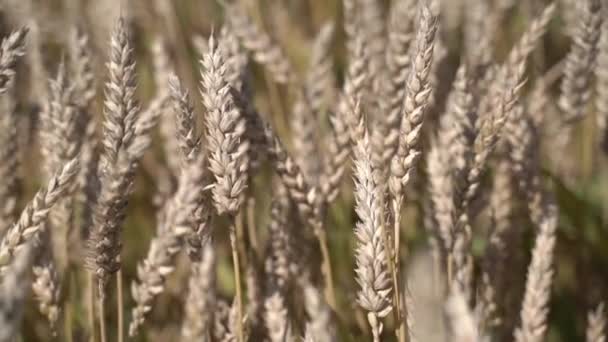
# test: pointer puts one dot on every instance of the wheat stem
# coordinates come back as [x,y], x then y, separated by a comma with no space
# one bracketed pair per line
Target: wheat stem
[237,280]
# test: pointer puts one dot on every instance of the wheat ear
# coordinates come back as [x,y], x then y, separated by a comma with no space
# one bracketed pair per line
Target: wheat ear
[580,61]
[30,222]
[11,49]
[385,135]
[124,140]
[264,50]
[535,309]
[160,261]
[370,254]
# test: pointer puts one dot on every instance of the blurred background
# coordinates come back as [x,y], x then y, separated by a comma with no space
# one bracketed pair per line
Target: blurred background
[580,181]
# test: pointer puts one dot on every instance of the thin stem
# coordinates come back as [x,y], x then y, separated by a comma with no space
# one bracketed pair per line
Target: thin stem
[91,305]
[251,227]
[326,269]
[120,307]
[395,267]
[67,311]
[102,320]
[237,281]
[240,239]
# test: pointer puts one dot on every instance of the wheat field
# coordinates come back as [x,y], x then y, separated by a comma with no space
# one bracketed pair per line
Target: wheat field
[303,170]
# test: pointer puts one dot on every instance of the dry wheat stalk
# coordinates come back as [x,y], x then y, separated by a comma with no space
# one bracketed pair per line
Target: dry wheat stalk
[414,105]
[47,293]
[200,302]
[503,95]
[239,77]
[535,309]
[264,50]
[180,222]
[596,324]
[580,61]
[124,140]
[11,49]
[225,133]
[187,137]
[62,136]
[31,221]
[385,135]
[354,90]
[370,254]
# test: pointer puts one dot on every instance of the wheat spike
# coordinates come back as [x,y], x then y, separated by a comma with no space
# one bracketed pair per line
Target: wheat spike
[535,309]
[11,49]
[370,254]
[385,135]
[30,222]
[160,261]
[415,102]
[125,139]
[264,50]
[225,133]
[580,61]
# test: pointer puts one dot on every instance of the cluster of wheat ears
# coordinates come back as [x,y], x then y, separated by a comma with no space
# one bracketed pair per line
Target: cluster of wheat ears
[395,130]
